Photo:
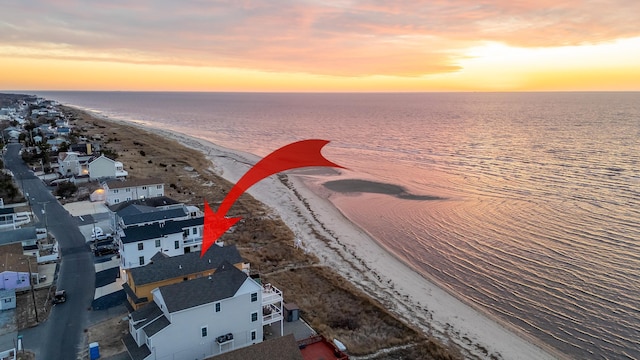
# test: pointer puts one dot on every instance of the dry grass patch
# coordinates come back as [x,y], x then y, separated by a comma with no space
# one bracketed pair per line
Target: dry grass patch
[336,309]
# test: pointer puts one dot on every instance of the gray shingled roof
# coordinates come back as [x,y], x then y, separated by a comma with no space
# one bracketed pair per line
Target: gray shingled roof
[223,284]
[152,202]
[280,348]
[154,216]
[135,352]
[163,268]
[157,325]
[145,315]
[182,224]
[16,235]
[141,233]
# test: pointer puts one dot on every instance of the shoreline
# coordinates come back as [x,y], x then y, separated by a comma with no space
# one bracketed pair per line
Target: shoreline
[359,258]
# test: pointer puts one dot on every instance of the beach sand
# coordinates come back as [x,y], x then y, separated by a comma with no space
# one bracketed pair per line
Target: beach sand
[356,256]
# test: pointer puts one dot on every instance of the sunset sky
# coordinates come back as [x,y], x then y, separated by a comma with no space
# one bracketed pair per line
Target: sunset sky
[435,45]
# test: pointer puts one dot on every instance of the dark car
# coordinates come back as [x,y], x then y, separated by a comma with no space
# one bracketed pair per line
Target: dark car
[59,297]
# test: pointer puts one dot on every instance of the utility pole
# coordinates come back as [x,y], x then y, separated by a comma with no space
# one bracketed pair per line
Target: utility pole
[33,295]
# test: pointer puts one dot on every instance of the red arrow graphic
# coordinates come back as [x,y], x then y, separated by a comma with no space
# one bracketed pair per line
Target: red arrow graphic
[299,154]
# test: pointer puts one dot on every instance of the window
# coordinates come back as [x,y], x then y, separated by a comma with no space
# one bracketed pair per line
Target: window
[115,201]
[203,331]
[253,335]
[158,187]
[140,246]
[144,188]
[195,231]
[176,244]
[186,232]
[254,297]
[115,191]
[141,259]
[254,316]
[158,243]
[8,300]
[217,307]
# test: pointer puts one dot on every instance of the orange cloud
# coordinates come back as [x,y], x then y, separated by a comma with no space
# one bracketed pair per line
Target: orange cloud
[419,40]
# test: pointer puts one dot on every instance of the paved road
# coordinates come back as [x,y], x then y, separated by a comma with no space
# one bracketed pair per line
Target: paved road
[61,335]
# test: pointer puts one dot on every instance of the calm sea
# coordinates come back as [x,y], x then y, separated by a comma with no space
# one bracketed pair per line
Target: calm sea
[540,221]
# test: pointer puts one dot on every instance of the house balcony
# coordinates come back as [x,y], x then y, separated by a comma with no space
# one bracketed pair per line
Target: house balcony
[191,241]
[271,313]
[271,295]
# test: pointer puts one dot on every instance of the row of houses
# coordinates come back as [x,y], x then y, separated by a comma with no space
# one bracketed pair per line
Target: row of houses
[74,164]
[184,305]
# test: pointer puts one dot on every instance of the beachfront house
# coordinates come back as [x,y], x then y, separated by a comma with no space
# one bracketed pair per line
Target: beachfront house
[164,270]
[105,168]
[72,164]
[139,243]
[16,269]
[203,317]
[117,191]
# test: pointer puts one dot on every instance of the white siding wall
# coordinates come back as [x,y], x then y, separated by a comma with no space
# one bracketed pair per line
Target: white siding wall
[130,255]
[183,340]
[115,196]
[102,167]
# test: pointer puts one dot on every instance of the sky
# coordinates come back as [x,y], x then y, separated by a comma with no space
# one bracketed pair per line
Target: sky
[318,46]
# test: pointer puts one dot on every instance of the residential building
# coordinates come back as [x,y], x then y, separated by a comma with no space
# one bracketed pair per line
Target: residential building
[7,299]
[7,218]
[16,269]
[73,164]
[138,244]
[203,317]
[105,168]
[120,191]
[164,270]
[138,206]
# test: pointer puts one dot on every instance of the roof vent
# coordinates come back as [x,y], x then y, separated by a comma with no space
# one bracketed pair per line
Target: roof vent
[209,277]
[209,261]
[180,266]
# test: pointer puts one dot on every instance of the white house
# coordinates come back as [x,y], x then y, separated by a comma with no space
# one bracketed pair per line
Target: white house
[199,318]
[73,164]
[138,244]
[119,191]
[105,168]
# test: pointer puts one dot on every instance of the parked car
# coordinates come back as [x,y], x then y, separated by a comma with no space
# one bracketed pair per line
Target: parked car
[59,297]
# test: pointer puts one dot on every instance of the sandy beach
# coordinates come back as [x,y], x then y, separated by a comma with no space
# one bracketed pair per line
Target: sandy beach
[360,259]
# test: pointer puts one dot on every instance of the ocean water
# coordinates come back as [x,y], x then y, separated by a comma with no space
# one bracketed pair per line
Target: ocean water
[539,221]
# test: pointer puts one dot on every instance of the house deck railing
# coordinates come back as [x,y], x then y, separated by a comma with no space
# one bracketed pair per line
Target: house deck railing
[271,313]
[270,294]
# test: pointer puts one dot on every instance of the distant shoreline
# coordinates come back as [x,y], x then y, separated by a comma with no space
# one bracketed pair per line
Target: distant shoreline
[404,287]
